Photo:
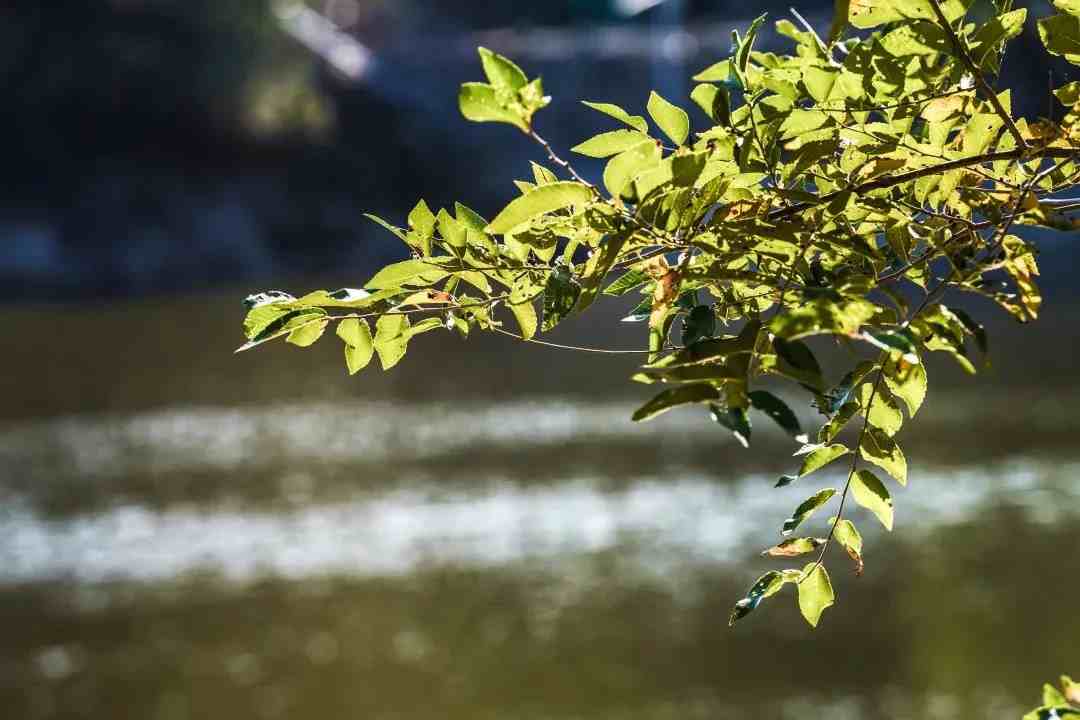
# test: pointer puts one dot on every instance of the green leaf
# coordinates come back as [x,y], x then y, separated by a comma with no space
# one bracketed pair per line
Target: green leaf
[806,509]
[626,282]
[794,547]
[850,539]
[746,45]
[820,456]
[263,317]
[1052,696]
[1051,713]
[907,382]
[425,325]
[525,313]
[838,422]
[837,397]
[815,593]
[422,219]
[800,122]
[539,201]
[560,296]
[988,39]
[354,331]
[542,175]
[893,341]
[683,395]
[454,233]
[307,332]
[865,14]
[272,320]
[501,72]
[714,101]
[598,267]
[379,221]
[635,121]
[720,72]
[672,119]
[622,169]
[872,494]
[797,354]
[882,450]
[974,327]
[699,324]
[767,585]
[469,218]
[359,347]
[1061,36]
[919,38]
[407,272]
[819,82]
[1071,689]
[479,102]
[883,413]
[610,143]
[734,419]
[391,339]
[822,317]
[778,410]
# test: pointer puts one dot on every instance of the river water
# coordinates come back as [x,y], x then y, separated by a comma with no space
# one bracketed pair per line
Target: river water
[242,540]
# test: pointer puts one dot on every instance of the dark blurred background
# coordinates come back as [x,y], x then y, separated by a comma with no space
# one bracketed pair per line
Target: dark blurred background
[156,146]
[481,532]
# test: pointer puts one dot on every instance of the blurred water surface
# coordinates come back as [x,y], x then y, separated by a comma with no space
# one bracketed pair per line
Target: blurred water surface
[483,533]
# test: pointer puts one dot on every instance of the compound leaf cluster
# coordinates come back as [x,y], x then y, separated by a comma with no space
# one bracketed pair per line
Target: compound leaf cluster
[842,192]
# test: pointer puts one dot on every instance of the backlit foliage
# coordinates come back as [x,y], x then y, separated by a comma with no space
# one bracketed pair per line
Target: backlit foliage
[1058,704]
[839,193]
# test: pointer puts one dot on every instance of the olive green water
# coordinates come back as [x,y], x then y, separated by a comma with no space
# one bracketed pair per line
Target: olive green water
[483,534]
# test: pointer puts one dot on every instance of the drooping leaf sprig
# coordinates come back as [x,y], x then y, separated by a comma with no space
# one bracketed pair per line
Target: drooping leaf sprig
[844,191]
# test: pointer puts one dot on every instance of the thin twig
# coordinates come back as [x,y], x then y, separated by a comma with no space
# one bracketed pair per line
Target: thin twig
[892,106]
[810,29]
[564,164]
[558,346]
[889,181]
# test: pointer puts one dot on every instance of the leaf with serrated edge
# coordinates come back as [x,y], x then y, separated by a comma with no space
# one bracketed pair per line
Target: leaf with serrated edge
[822,456]
[877,447]
[672,119]
[794,547]
[849,538]
[872,494]
[815,593]
[806,509]
[699,393]
[635,121]
[883,413]
[539,201]
[907,382]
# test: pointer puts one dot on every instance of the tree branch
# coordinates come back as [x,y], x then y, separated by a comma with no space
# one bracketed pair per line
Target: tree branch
[889,181]
[564,164]
[958,44]
[854,458]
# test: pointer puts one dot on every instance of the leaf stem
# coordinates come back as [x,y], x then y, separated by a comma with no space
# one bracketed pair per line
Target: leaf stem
[564,164]
[559,346]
